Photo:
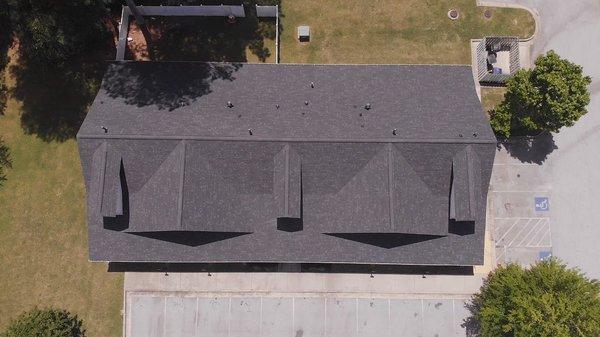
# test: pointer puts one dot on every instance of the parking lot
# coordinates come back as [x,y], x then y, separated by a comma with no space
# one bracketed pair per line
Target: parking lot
[520,210]
[185,315]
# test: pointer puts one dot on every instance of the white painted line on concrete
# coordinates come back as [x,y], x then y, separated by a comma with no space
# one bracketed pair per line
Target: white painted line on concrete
[518,233]
[519,191]
[356,303]
[520,244]
[196,317]
[229,319]
[511,227]
[542,217]
[542,239]
[389,318]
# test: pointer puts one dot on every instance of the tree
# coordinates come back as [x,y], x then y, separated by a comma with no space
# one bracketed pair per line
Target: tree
[62,50]
[548,97]
[46,323]
[547,299]
[5,161]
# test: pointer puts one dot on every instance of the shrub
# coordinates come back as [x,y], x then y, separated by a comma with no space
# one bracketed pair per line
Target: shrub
[547,299]
[45,323]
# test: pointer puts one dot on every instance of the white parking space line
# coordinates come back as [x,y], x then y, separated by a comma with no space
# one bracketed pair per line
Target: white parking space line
[260,316]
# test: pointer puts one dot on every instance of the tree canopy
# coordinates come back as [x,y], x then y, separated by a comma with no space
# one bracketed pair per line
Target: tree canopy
[547,299]
[62,48]
[548,97]
[46,323]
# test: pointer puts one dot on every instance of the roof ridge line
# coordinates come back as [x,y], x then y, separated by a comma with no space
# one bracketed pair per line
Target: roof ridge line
[293,140]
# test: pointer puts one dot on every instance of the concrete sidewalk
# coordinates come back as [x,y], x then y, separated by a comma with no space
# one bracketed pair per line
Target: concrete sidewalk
[314,284]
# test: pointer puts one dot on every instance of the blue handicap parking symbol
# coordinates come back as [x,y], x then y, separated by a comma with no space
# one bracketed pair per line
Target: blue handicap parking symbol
[545,255]
[542,204]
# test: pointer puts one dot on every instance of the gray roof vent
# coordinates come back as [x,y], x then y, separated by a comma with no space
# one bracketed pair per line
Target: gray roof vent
[305,102]
[250,132]
[395,132]
[312,84]
[368,106]
[229,104]
[105,129]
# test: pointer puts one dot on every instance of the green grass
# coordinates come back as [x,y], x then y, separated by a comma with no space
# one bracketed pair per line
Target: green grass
[43,235]
[392,31]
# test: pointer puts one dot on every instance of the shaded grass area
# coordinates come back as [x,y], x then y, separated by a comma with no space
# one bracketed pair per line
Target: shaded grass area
[43,233]
[393,31]
[198,38]
[213,39]
[491,97]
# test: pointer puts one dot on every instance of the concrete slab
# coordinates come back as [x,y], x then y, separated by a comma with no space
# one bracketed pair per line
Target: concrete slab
[460,314]
[309,317]
[373,317]
[438,318]
[277,317]
[147,316]
[406,317]
[180,316]
[194,315]
[245,317]
[341,317]
[213,317]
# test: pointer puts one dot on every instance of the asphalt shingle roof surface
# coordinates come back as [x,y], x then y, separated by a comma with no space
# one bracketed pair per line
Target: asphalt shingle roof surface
[202,180]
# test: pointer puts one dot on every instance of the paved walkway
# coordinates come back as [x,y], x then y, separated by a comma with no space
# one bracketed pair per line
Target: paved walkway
[570,167]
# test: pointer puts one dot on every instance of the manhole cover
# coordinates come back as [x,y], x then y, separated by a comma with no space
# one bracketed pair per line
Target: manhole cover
[453,14]
[487,13]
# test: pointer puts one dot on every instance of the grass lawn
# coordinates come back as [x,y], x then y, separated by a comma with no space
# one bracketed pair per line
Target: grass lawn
[392,31]
[491,97]
[43,235]
[205,39]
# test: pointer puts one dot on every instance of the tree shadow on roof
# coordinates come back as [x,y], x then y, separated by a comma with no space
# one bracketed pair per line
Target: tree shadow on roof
[530,149]
[191,239]
[385,240]
[168,86]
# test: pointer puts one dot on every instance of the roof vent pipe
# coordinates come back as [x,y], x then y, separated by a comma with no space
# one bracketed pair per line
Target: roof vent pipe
[229,104]
[305,102]
[105,129]
[368,106]
[250,132]
[312,84]
[394,132]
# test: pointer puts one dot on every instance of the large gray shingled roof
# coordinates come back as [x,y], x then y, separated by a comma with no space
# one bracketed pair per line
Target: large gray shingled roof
[218,162]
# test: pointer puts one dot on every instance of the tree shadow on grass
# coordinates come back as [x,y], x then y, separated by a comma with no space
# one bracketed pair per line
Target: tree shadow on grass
[530,149]
[57,78]
[211,39]
[55,101]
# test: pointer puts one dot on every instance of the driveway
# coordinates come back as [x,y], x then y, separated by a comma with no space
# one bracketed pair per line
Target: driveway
[570,167]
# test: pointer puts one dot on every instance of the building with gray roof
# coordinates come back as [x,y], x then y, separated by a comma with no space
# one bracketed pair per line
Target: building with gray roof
[219,162]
